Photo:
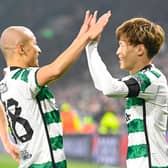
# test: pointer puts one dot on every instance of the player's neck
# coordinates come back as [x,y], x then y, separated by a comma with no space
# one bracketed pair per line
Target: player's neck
[16,64]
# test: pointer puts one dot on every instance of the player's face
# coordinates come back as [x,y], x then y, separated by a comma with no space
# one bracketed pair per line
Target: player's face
[127,56]
[32,51]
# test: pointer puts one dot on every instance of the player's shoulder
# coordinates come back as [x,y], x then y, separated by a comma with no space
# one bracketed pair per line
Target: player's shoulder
[150,71]
[156,73]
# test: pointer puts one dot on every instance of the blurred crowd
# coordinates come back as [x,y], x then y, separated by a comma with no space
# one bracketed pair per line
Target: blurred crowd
[90,107]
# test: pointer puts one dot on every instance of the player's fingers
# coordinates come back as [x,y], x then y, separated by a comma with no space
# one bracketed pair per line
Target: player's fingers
[87,15]
[103,20]
[89,19]
[93,21]
[95,15]
[16,159]
[16,156]
[109,12]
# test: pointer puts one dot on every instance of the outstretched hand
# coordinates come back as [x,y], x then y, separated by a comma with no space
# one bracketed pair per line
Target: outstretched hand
[96,27]
[93,27]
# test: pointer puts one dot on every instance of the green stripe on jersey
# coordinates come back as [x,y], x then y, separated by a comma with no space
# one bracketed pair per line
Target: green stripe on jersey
[159,166]
[44,94]
[133,102]
[52,117]
[137,151]
[49,165]
[135,125]
[24,75]
[144,80]
[56,142]
[17,74]
[156,73]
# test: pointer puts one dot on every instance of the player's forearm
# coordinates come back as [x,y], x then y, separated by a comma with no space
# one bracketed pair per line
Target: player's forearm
[70,55]
[102,79]
[63,62]
[4,135]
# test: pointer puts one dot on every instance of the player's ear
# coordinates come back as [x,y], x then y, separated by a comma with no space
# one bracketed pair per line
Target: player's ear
[20,49]
[140,49]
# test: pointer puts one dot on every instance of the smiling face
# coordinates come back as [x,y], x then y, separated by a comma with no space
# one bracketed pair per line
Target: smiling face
[142,31]
[128,56]
[139,41]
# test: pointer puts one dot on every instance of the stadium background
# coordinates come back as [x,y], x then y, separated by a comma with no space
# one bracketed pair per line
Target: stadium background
[56,23]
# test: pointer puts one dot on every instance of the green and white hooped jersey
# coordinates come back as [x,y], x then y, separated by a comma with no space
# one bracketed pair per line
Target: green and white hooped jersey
[147,117]
[34,119]
[146,109]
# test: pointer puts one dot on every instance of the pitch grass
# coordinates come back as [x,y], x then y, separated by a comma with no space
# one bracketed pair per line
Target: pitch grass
[7,162]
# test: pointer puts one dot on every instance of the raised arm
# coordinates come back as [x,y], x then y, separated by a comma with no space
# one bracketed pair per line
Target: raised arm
[10,147]
[102,79]
[60,65]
